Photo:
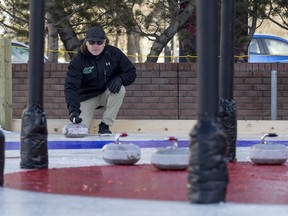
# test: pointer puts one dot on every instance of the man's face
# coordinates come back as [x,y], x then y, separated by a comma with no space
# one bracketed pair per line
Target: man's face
[95,47]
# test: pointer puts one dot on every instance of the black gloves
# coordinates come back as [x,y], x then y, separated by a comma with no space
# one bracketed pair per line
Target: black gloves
[74,117]
[114,85]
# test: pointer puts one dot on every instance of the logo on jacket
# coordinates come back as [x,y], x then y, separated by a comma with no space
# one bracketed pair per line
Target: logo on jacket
[87,70]
[107,63]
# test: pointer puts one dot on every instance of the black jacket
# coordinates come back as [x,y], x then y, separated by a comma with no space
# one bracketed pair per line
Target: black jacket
[88,75]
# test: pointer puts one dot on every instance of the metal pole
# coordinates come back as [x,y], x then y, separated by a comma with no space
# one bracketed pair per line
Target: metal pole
[227,49]
[227,102]
[208,175]
[208,77]
[36,52]
[34,133]
[273,95]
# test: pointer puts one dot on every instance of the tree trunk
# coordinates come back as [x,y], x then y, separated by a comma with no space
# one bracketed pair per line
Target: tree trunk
[138,48]
[131,47]
[52,40]
[64,28]
[169,33]
[187,37]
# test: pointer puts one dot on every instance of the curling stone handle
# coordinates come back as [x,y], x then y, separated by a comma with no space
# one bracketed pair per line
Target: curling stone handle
[175,140]
[117,137]
[267,135]
[123,135]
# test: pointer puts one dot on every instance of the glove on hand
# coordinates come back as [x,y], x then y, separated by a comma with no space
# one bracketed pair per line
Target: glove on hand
[74,117]
[114,85]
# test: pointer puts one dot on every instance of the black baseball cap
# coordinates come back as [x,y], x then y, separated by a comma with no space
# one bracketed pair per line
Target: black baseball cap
[95,34]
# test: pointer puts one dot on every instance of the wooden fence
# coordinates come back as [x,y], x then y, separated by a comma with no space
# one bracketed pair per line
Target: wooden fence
[5,84]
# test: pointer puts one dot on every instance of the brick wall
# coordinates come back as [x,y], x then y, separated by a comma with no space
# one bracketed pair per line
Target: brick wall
[164,91]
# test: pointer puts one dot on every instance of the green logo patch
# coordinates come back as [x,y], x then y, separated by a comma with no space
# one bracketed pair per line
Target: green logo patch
[87,70]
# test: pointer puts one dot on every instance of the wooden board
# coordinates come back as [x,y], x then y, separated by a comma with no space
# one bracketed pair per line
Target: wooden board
[169,127]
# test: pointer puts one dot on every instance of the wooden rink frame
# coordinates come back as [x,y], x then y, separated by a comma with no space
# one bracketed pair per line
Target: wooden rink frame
[169,127]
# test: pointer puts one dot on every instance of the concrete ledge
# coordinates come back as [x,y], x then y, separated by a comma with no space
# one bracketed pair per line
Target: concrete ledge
[169,127]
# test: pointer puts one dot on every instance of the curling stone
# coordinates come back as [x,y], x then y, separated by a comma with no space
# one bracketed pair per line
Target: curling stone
[267,152]
[75,130]
[171,158]
[121,153]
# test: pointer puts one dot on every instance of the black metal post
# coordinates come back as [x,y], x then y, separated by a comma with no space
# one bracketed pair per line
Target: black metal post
[227,103]
[2,157]
[34,150]
[208,175]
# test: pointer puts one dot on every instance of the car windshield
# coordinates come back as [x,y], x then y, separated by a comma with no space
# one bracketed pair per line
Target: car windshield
[277,47]
[19,54]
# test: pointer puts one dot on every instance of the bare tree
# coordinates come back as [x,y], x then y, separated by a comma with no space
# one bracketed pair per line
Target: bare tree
[176,24]
[157,20]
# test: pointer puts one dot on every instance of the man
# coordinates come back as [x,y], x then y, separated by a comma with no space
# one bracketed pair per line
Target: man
[96,78]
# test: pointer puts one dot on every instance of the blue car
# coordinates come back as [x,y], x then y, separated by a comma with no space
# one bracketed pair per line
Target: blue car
[268,48]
